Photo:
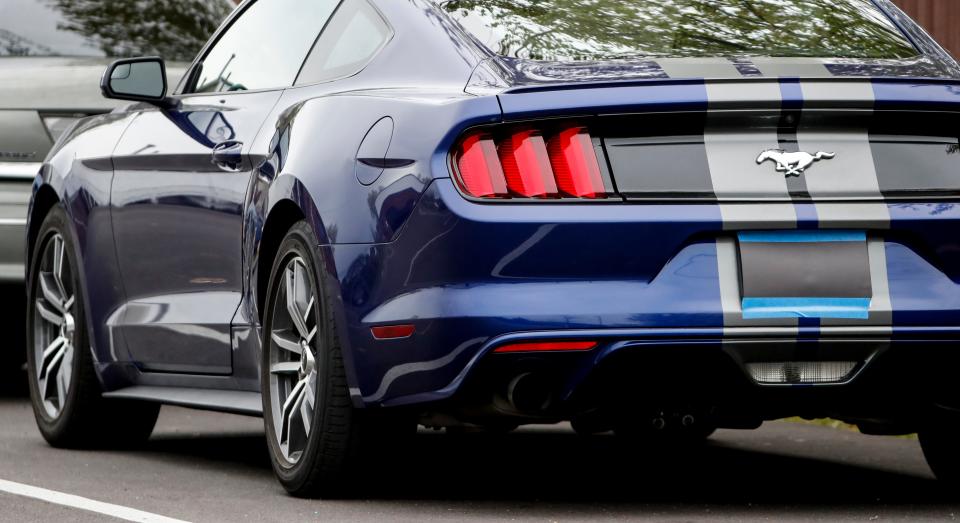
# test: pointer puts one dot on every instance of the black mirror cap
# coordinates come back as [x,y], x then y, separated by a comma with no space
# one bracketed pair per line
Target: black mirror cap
[108,92]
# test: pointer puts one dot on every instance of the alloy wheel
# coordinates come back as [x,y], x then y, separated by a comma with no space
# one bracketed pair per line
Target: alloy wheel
[54,325]
[293,363]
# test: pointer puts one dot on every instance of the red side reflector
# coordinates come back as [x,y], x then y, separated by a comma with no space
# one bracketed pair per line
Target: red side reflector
[480,173]
[526,165]
[392,332]
[548,346]
[575,164]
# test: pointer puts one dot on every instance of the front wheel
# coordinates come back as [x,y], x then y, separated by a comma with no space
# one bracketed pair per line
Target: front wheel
[318,442]
[64,388]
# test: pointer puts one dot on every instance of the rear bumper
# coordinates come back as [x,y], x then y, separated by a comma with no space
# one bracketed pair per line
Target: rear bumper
[898,382]
[471,277]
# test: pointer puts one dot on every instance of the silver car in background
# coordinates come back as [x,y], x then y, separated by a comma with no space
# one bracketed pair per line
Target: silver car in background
[52,53]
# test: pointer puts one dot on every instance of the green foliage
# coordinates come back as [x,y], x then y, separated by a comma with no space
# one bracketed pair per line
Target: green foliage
[610,29]
[173,29]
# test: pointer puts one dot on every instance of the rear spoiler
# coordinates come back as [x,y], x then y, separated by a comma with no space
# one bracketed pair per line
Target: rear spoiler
[670,95]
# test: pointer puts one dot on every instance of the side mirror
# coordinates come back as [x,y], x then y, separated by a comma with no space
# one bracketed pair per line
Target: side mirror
[136,79]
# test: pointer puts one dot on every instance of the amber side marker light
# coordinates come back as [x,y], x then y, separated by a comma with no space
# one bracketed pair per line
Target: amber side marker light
[547,346]
[393,332]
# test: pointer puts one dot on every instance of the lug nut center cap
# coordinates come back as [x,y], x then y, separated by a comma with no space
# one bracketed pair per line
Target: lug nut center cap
[68,326]
[307,361]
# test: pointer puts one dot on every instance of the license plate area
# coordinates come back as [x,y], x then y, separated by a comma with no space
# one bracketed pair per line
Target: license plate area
[805,274]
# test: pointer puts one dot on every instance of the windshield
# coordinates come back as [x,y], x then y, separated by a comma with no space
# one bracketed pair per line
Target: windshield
[174,29]
[572,30]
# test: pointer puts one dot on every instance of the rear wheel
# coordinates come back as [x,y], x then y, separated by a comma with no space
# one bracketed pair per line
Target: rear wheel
[64,388]
[318,442]
[939,443]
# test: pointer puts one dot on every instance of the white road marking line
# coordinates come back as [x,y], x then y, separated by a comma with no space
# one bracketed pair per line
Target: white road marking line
[69,500]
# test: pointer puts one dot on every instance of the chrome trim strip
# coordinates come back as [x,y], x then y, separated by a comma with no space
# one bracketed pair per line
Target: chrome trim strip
[13,222]
[19,170]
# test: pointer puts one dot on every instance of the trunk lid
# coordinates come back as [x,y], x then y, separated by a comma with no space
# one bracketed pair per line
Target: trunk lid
[767,140]
[686,158]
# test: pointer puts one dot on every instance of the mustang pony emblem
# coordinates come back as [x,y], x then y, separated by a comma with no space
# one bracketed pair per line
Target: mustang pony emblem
[793,164]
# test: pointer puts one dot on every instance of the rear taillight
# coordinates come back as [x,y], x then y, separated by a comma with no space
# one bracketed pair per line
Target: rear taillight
[480,170]
[530,164]
[526,165]
[575,164]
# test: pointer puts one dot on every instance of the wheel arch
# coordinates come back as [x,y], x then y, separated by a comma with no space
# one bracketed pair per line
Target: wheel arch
[283,216]
[44,199]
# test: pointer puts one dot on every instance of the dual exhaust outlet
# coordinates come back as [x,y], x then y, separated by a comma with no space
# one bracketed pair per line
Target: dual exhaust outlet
[532,393]
[662,421]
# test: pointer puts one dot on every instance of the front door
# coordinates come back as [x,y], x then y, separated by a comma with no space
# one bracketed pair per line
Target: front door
[178,193]
[180,180]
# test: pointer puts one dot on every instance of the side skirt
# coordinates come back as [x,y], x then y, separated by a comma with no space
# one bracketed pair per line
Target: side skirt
[233,402]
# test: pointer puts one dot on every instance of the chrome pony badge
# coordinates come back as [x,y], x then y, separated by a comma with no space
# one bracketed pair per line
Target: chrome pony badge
[793,164]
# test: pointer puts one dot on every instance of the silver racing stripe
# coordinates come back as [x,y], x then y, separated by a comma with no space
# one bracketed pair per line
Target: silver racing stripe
[728,269]
[734,172]
[881,307]
[709,67]
[758,94]
[755,216]
[779,67]
[847,94]
[852,174]
[736,177]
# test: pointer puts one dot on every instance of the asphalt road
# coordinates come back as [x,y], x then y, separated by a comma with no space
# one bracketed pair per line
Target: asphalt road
[213,467]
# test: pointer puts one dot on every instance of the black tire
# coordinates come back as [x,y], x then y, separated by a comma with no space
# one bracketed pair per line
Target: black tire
[939,444]
[13,355]
[84,419]
[341,440]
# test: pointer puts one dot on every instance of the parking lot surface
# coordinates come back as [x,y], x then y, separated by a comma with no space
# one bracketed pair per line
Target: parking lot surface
[213,467]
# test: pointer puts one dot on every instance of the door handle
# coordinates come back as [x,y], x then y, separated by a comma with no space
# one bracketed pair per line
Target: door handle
[228,155]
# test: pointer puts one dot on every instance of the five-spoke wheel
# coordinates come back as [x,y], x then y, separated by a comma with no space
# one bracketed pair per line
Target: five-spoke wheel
[54,326]
[64,388]
[319,443]
[293,363]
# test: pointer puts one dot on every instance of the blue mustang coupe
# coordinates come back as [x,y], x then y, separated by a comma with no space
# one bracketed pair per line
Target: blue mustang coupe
[657,217]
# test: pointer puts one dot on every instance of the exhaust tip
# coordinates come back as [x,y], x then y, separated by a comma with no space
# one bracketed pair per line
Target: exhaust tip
[529,393]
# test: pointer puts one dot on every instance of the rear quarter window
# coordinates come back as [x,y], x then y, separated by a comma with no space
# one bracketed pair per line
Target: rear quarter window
[580,30]
[352,38]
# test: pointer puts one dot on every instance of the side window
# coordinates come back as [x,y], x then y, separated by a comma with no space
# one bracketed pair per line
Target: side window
[265,47]
[353,37]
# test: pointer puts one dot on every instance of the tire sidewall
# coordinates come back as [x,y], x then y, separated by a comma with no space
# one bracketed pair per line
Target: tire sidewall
[298,242]
[56,222]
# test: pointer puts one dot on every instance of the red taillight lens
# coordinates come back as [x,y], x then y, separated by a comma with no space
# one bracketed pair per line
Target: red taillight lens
[526,165]
[523,164]
[548,346]
[575,164]
[480,170]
